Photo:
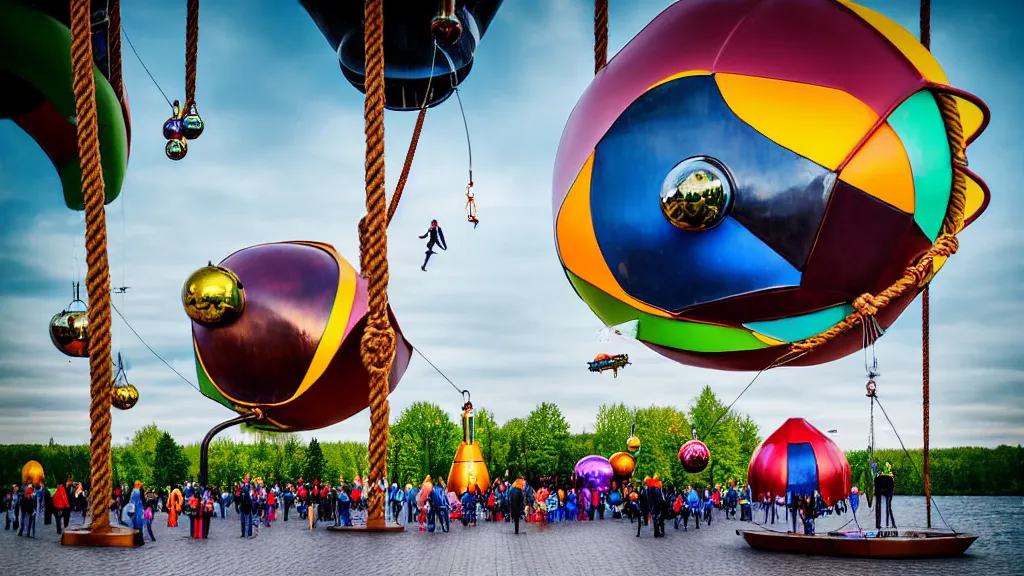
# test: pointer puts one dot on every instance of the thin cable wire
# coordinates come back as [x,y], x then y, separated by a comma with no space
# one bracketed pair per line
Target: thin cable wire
[465,123]
[146,68]
[457,389]
[906,453]
[777,363]
[150,348]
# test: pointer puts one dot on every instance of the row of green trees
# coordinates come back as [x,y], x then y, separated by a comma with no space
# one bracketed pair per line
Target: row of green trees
[424,439]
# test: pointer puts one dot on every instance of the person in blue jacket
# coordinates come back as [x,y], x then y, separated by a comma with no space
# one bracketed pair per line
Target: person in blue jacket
[439,508]
[397,500]
[693,503]
[410,503]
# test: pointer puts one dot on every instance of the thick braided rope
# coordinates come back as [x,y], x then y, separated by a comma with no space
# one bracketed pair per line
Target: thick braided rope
[114,47]
[600,34]
[191,53]
[945,245]
[404,176]
[97,279]
[377,347]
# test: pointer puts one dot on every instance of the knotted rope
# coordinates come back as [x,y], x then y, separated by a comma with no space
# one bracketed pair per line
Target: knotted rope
[191,54]
[97,279]
[919,274]
[377,347]
[600,34]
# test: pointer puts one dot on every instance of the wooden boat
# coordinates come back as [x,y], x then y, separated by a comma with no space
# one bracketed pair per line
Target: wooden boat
[863,544]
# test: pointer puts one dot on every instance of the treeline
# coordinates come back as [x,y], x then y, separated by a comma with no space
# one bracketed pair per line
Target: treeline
[424,439]
[966,471]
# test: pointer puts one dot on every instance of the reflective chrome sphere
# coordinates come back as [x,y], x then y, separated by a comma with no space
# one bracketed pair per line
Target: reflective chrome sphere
[192,127]
[633,444]
[213,296]
[694,456]
[69,331]
[173,128]
[124,397]
[696,194]
[176,149]
[446,29]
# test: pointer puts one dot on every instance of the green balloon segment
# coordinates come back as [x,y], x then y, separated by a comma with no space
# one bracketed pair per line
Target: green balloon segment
[918,123]
[678,334]
[37,49]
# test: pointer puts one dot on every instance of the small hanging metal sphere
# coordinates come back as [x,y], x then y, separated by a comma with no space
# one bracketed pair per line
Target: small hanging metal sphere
[124,397]
[173,128]
[69,331]
[446,29]
[176,149]
[213,296]
[192,126]
[633,444]
[694,456]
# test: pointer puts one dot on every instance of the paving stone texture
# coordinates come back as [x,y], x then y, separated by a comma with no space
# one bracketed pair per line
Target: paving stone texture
[570,548]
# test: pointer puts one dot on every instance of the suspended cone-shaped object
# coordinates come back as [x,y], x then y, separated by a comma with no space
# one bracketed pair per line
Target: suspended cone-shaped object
[468,469]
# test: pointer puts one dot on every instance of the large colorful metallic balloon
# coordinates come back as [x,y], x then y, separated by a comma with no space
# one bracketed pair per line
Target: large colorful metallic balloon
[32,473]
[293,352]
[412,60]
[797,458]
[741,171]
[594,472]
[36,78]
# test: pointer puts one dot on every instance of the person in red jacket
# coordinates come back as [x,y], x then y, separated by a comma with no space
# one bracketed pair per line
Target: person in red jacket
[271,503]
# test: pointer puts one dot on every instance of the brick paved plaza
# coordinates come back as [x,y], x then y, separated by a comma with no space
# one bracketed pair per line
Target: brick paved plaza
[584,548]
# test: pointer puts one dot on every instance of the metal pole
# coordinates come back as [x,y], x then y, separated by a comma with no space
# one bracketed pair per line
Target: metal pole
[204,448]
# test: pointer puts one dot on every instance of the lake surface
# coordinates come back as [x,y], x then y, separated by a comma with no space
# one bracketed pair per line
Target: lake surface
[601,548]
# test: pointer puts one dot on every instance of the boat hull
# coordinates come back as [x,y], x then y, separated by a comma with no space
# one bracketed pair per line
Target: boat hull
[906,544]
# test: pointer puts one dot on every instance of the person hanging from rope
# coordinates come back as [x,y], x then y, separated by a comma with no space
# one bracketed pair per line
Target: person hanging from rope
[471,206]
[436,239]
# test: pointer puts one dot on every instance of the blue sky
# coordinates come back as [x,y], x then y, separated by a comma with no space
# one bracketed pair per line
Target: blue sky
[282,159]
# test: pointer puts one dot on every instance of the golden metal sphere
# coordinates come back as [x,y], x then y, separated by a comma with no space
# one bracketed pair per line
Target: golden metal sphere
[69,331]
[32,473]
[124,397]
[213,296]
[633,444]
[696,194]
[623,463]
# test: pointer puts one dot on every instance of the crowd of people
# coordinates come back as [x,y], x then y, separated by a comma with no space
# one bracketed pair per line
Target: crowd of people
[430,505]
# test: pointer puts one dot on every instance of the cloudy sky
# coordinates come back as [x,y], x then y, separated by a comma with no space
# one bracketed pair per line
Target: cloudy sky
[282,159]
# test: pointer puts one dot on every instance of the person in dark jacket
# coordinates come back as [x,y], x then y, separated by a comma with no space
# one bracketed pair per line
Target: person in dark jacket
[516,501]
[656,503]
[246,507]
[436,239]
[28,514]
